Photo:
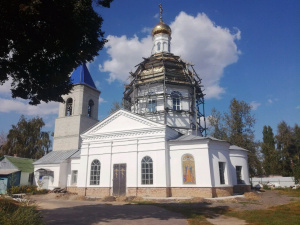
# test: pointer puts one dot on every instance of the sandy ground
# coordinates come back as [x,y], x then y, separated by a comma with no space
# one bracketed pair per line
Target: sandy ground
[70,209]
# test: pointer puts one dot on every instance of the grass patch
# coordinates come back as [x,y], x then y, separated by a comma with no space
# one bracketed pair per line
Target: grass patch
[14,213]
[288,191]
[277,215]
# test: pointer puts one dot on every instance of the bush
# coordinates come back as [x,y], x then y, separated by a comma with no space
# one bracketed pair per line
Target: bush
[22,189]
[13,213]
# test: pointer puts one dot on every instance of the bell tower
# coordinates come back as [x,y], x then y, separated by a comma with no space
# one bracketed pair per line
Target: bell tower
[78,112]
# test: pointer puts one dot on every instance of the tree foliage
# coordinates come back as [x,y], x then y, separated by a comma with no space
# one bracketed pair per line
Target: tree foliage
[26,139]
[236,126]
[42,41]
[115,106]
[270,161]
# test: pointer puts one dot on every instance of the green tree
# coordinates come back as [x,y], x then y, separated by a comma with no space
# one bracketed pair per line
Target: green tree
[42,41]
[217,128]
[284,142]
[270,161]
[26,139]
[236,127]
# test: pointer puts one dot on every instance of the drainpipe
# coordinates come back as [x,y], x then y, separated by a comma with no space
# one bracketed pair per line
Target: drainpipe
[87,167]
[137,167]
[110,178]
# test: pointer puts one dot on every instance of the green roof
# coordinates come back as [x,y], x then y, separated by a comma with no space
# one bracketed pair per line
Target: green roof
[23,164]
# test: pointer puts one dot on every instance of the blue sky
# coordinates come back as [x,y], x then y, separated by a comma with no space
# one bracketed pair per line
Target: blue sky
[248,50]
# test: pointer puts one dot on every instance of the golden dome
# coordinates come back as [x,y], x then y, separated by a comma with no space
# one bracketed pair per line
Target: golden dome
[161,27]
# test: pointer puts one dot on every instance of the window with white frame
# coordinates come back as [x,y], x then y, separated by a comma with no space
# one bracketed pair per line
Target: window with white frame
[147,170]
[74,177]
[176,98]
[158,46]
[222,172]
[238,170]
[95,172]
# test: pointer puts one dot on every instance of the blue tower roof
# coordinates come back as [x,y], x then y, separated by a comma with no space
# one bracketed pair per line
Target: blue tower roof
[81,75]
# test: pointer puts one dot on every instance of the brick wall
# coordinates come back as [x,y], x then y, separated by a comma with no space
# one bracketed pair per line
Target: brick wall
[241,188]
[222,191]
[91,192]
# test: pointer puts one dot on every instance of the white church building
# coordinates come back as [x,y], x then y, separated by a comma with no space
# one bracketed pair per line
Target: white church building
[156,146]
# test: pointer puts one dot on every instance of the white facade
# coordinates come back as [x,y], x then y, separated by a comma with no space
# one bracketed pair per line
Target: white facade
[149,150]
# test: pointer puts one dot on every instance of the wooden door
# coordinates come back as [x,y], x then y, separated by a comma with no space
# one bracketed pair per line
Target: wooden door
[119,180]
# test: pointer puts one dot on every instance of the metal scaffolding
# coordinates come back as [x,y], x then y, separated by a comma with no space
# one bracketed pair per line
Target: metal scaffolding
[167,69]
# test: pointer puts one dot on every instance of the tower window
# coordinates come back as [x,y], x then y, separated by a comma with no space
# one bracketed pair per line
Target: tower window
[152,105]
[176,97]
[158,46]
[165,46]
[69,107]
[90,107]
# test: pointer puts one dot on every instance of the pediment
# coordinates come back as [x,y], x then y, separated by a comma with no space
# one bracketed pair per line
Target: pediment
[122,121]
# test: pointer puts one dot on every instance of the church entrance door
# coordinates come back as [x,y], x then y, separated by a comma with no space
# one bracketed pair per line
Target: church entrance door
[119,181]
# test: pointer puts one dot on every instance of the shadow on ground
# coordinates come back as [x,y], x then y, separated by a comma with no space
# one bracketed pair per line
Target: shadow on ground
[75,213]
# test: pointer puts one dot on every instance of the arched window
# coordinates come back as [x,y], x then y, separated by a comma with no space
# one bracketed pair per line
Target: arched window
[147,170]
[165,46]
[188,169]
[95,172]
[176,97]
[90,106]
[158,46]
[69,107]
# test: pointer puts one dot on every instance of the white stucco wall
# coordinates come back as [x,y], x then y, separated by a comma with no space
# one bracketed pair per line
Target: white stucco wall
[239,158]
[53,181]
[200,153]
[24,178]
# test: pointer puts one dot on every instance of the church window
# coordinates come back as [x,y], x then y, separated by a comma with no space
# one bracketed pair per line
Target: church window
[165,45]
[74,177]
[90,107]
[222,172]
[158,46]
[95,172]
[69,107]
[188,169]
[152,105]
[238,170]
[147,170]
[176,98]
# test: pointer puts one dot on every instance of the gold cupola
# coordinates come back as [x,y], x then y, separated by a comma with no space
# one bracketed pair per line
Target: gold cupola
[161,27]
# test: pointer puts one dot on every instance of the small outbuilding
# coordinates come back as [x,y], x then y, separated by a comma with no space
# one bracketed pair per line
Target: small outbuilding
[15,171]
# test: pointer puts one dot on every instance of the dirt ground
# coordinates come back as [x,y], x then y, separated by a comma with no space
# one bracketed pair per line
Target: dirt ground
[72,209]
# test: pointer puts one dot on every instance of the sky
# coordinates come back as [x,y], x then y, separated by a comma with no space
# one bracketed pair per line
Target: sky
[243,49]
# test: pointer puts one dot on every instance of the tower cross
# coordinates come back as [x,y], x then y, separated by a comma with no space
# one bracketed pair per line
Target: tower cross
[161,11]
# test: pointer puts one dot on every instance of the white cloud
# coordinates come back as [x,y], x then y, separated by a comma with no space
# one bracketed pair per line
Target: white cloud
[298,107]
[22,107]
[147,30]
[196,39]
[5,88]
[125,53]
[156,16]
[254,105]
[101,100]
[270,101]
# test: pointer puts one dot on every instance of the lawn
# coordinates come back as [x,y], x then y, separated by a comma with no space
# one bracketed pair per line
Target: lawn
[278,215]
